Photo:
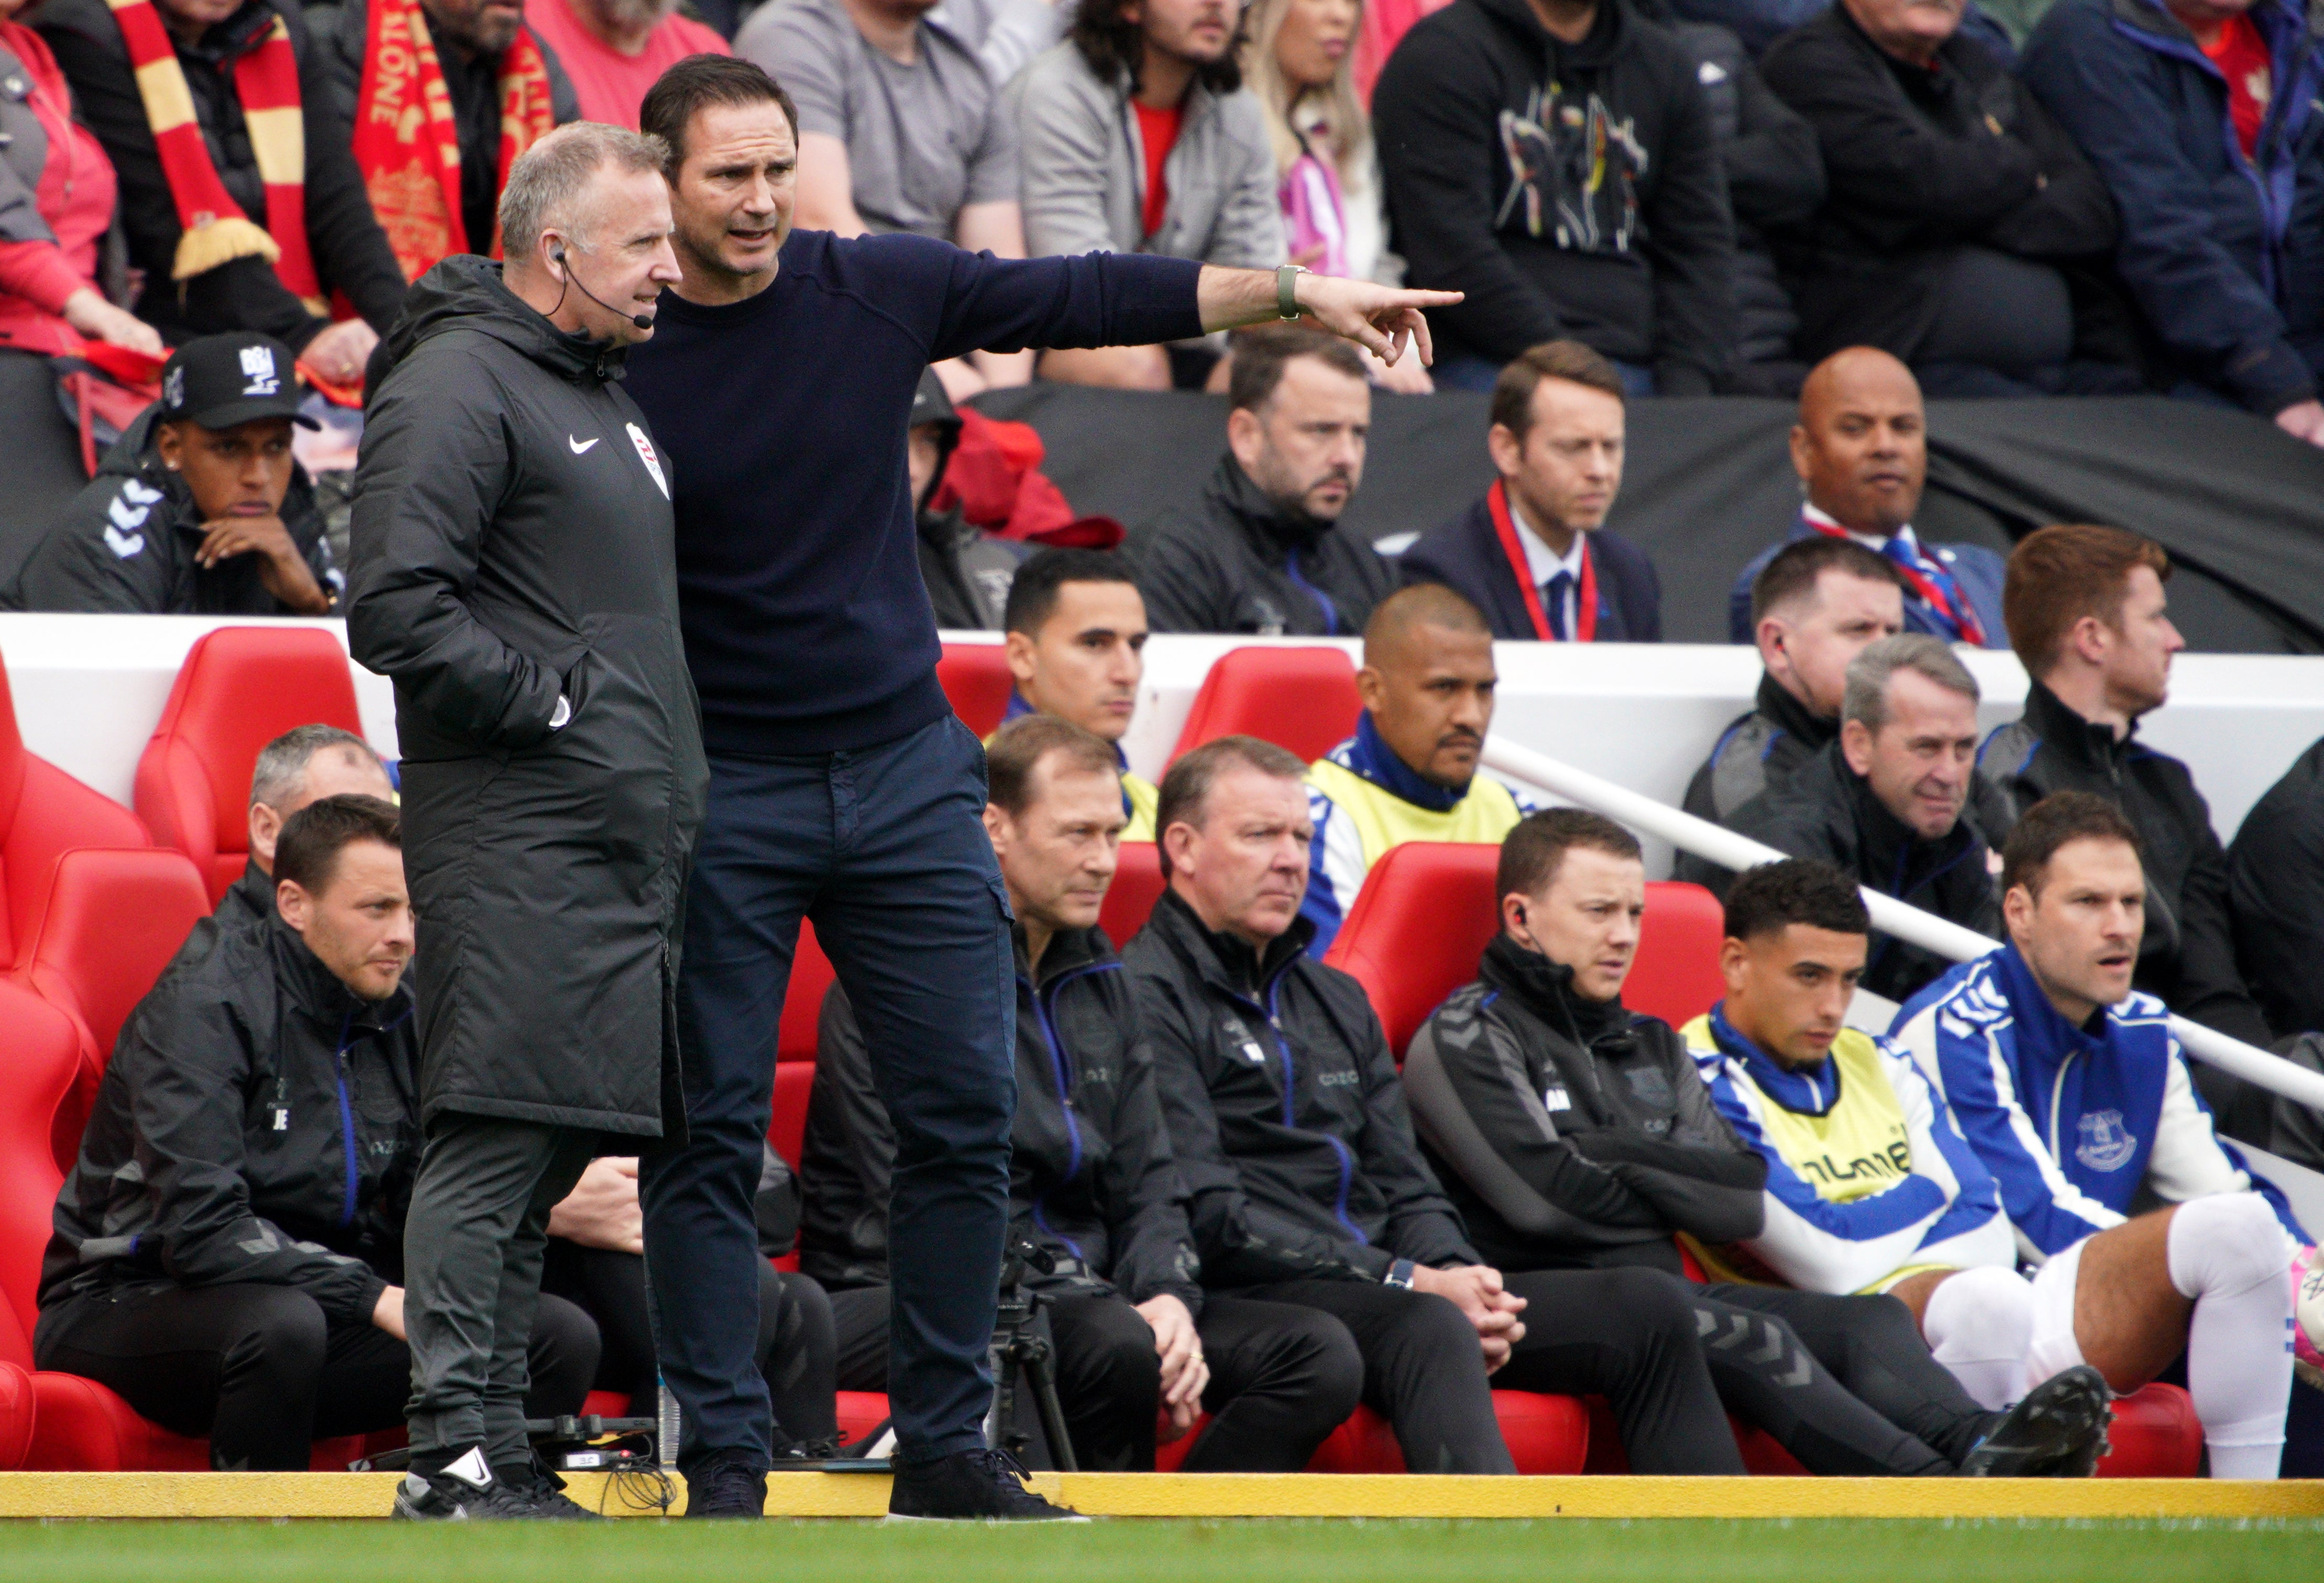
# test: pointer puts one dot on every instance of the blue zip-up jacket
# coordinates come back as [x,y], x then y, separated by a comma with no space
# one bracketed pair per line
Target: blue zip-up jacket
[1284,1110]
[1092,1178]
[2073,1122]
[2224,253]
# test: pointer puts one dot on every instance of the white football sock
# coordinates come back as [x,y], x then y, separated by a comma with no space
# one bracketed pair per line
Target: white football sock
[1979,1324]
[2229,1255]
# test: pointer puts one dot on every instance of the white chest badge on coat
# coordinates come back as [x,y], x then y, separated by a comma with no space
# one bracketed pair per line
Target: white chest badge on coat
[646,454]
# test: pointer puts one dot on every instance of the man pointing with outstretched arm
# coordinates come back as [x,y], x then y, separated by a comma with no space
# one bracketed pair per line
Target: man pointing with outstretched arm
[842,787]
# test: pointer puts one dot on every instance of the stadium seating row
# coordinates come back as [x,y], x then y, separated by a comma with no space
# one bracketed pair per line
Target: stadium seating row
[91,909]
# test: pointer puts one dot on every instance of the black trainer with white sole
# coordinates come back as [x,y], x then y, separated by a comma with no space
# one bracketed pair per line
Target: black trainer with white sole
[2057,1432]
[465,1491]
[969,1487]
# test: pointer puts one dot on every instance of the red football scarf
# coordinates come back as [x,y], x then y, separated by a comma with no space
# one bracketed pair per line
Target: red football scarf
[1585,600]
[217,231]
[407,146]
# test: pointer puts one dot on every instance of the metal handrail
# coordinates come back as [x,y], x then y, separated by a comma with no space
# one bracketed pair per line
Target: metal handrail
[1906,922]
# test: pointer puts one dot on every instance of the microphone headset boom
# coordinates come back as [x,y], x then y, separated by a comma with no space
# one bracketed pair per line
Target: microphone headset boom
[644,321]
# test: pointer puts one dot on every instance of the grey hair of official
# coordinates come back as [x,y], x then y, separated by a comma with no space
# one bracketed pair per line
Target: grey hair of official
[548,183]
[1868,675]
[282,762]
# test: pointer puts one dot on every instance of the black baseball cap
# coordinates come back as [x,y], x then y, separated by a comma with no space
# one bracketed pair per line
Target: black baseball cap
[931,404]
[220,381]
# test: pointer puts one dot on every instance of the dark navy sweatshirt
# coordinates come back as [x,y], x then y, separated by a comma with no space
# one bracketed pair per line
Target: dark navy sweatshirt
[784,418]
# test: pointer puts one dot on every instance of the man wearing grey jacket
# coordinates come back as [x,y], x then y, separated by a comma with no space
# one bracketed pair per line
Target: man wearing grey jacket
[1137,135]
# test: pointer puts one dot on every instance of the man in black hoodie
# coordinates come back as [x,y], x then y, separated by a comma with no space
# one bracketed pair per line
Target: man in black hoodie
[1092,1180]
[229,1243]
[515,575]
[1556,161]
[1263,552]
[1573,1133]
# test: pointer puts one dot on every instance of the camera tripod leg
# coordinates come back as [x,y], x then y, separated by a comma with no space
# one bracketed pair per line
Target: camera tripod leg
[1042,1380]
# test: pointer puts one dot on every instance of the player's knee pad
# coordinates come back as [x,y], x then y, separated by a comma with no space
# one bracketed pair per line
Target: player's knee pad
[2225,1244]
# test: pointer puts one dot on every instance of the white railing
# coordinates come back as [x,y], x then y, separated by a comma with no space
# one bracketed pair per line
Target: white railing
[1724,847]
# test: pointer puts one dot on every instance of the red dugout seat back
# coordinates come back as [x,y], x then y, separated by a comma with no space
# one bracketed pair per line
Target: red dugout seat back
[239,688]
[1303,699]
[811,979]
[114,919]
[1427,911]
[975,677]
[45,813]
[1138,885]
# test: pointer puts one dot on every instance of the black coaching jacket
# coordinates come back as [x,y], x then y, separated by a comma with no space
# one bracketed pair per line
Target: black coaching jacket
[1573,1133]
[1284,1108]
[1092,1178]
[258,1123]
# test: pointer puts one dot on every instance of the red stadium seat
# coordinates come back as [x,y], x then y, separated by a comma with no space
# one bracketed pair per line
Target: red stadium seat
[860,1413]
[114,919]
[239,688]
[975,677]
[1303,699]
[811,979]
[1138,885]
[1427,911]
[45,813]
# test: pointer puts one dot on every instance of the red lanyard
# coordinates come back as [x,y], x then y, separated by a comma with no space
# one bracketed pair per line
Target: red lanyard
[1931,593]
[1585,604]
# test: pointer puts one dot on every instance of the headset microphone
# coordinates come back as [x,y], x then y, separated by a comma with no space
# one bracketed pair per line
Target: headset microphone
[644,321]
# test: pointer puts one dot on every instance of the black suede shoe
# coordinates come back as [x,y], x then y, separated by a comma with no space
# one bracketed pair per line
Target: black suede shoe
[726,1488]
[969,1487]
[2057,1432]
[544,1492]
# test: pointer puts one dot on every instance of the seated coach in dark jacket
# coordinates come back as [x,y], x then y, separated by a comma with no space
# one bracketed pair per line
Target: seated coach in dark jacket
[239,193]
[1092,1179]
[1534,554]
[1959,214]
[1895,801]
[1263,552]
[228,1247]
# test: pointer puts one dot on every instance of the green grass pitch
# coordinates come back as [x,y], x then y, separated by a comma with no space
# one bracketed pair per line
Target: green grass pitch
[1569,1550]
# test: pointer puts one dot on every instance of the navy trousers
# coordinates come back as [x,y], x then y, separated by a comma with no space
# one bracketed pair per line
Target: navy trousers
[884,848]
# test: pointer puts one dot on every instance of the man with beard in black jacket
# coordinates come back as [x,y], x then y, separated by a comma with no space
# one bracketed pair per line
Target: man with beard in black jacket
[1093,1181]
[1556,161]
[514,574]
[1263,552]
[228,1246]
[1895,801]
[1573,1133]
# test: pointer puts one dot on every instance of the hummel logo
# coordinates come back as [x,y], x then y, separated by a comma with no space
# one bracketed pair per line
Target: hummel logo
[579,446]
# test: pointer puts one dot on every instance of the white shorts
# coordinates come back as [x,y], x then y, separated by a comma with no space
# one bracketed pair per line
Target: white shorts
[2054,1349]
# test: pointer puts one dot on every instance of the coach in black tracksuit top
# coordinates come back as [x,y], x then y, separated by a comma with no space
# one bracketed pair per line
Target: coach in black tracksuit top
[1092,1181]
[841,788]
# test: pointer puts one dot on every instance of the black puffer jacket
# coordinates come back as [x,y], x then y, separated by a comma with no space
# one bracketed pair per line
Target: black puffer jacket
[126,545]
[2187,956]
[1571,1132]
[1829,812]
[1091,1177]
[1284,1108]
[512,544]
[1238,563]
[1758,752]
[220,1148]
[350,251]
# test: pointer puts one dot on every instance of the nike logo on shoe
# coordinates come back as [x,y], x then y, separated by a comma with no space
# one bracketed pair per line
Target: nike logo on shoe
[471,1468]
[579,446]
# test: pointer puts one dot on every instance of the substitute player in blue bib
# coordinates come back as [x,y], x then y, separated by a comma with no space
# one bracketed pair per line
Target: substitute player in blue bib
[2074,1093]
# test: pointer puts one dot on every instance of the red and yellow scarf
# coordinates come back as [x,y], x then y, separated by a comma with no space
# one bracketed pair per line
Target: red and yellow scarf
[406,144]
[217,231]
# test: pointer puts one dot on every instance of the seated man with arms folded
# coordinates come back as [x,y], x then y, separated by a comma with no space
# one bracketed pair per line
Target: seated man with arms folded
[199,510]
[228,1243]
[1894,802]
[1816,607]
[2070,1088]
[303,765]
[1534,554]
[1077,641]
[1290,1125]
[1573,1133]
[1263,552]
[1410,771]
[1093,1182]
